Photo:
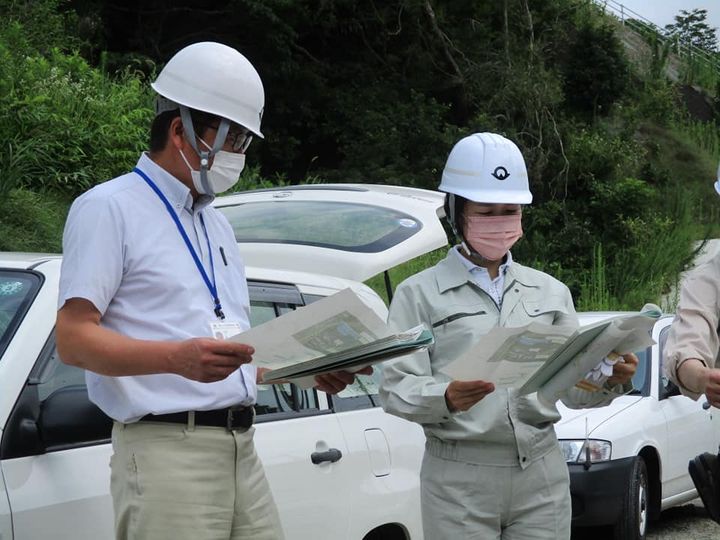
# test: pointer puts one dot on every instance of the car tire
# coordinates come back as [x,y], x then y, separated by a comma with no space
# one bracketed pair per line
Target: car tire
[633,520]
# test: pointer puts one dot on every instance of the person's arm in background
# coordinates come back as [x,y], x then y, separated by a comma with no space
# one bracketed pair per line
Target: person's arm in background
[692,344]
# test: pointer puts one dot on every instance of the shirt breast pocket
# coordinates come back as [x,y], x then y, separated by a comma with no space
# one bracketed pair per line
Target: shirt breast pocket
[543,310]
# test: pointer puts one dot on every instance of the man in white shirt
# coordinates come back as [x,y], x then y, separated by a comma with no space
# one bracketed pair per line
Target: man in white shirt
[150,273]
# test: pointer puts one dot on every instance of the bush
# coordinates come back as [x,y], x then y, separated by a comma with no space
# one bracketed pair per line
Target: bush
[32,221]
[71,126]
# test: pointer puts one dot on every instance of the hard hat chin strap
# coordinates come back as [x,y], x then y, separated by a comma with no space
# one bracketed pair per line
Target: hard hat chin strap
[457,228]
[204,154]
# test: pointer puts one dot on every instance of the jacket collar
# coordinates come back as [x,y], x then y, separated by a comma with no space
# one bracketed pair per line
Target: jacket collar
[453,273]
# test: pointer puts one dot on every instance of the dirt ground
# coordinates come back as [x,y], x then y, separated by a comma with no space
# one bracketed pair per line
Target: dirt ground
[687,522]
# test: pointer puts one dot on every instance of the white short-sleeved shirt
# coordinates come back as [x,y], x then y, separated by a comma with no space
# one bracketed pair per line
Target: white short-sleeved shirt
[124,253]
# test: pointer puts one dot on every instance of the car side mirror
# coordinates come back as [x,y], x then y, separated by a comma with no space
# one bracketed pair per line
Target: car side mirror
[670,389]
[22,437]
[69,418]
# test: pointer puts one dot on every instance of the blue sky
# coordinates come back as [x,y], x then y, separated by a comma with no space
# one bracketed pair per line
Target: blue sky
[663,12]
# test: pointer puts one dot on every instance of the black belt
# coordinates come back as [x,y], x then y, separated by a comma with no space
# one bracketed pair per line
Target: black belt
[230,418]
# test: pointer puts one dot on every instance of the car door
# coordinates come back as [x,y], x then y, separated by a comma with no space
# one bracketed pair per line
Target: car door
[56,451]
[56,456]
[690,429]
[300,441]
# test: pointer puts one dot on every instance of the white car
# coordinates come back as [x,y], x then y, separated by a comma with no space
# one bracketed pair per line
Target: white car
[339,467]
[638,447]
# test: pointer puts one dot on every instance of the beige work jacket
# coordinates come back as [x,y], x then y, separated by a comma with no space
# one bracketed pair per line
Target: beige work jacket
[694,332]
[504,428]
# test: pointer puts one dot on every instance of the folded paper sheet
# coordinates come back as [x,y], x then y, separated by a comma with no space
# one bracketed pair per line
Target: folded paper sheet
[551,359]
[337,332]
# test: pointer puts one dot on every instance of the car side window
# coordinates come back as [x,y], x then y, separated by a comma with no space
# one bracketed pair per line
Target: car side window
[667,387]
[363,393]
[278,401]
[53,412]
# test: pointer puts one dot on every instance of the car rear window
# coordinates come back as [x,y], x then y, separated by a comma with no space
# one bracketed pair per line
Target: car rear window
[17,290]
[336,225]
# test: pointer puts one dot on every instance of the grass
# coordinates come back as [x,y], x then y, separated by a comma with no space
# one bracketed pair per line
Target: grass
[32,221]
[405,270]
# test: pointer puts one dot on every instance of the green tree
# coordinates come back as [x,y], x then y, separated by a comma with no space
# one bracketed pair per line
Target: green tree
[691,28]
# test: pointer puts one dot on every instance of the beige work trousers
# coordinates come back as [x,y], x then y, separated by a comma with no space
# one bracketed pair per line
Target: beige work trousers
[174,482]
[483,502]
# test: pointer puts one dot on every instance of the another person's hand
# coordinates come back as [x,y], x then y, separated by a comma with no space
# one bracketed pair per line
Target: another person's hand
[209,360]
[461,395]
[624,371]
[712,387]
[336,381]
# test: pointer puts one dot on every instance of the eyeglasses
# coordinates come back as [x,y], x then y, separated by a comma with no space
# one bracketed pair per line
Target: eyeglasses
[238,139]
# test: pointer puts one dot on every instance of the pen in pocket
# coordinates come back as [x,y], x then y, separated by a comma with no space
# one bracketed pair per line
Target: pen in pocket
[222,254]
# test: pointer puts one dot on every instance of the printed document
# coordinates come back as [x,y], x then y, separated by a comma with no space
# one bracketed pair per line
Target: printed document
[337,332]
[551,359]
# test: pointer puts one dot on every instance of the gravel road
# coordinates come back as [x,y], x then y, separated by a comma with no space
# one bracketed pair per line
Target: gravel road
[687,522]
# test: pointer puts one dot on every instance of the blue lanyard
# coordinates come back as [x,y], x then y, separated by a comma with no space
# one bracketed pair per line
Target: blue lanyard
[210,285]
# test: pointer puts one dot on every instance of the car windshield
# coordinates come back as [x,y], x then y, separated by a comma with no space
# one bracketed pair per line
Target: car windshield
[336,225]
[17,289]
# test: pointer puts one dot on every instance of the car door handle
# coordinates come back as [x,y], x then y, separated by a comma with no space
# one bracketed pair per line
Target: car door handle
[331,455]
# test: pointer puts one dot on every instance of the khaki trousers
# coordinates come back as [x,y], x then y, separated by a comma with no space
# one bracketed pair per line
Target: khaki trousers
[485,502]
[173,482]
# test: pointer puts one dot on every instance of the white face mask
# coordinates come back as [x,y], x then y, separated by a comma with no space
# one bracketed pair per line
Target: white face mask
[223,174]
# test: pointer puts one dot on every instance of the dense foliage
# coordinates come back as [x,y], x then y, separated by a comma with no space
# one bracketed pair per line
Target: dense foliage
[365,91]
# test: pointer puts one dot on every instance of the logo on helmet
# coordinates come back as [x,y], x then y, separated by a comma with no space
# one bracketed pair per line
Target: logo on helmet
[500,173]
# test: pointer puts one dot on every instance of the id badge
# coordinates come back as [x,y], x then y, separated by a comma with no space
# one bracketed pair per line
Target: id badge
[225,329]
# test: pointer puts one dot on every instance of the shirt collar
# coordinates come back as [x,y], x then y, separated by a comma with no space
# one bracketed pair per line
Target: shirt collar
[177,193]
[472,267]
[453,272]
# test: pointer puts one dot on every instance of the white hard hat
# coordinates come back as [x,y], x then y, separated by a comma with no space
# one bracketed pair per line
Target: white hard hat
[487,168]
[216,79]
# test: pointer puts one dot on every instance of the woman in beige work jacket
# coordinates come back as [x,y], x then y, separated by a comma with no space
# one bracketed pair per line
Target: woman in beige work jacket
[492,466]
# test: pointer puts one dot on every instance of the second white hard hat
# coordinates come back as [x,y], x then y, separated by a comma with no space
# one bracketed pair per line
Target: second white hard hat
[216,79]
[487,168]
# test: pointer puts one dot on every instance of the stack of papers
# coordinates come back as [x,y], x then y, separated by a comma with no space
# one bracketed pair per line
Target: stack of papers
[339,332]
[356,357]
[551,359]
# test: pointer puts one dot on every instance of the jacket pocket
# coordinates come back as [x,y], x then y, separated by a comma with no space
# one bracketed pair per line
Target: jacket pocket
[544,310]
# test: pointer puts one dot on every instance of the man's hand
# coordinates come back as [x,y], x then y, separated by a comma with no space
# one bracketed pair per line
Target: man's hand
[712,387]
[209,360]
[336,381]
[624,371]
[461,395]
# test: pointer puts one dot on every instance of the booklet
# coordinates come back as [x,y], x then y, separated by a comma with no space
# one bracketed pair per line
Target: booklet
[551,359]
[354,358]
[339,332]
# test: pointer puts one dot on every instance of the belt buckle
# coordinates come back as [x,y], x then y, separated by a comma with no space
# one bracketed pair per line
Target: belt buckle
[231,416]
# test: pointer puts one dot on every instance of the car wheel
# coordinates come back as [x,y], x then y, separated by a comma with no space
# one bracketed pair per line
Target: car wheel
[633,521]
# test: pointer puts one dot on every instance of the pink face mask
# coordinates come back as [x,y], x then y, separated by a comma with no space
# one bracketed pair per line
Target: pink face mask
[493,236]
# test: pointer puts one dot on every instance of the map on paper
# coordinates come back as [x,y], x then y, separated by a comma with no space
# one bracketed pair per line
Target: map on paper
[335,333]
[551,359]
